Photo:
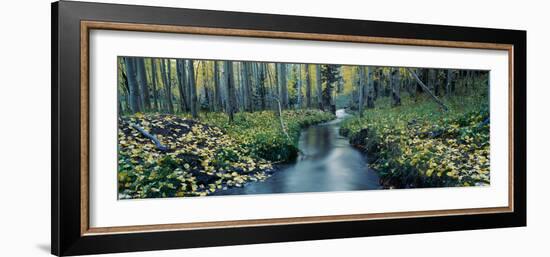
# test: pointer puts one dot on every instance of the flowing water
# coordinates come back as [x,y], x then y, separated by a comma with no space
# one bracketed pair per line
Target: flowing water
[327,163]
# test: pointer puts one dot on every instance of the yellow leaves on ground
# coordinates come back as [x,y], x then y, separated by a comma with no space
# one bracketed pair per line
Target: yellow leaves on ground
[418,146]
[203,157]
[195,164]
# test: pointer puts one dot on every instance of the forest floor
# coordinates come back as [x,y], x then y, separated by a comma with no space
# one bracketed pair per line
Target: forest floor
[197,158]
[420,145]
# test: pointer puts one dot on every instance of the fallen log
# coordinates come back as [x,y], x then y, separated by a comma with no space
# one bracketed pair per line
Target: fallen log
[280,114]
[151,137]
[425,88]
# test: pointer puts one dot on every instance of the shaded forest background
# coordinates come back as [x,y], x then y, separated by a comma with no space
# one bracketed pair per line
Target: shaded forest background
[193,86]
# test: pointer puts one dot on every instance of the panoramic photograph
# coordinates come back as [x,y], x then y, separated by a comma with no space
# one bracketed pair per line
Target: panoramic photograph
[190,127]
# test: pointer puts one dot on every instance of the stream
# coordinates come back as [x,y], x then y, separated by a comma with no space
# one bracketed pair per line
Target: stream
[327,163]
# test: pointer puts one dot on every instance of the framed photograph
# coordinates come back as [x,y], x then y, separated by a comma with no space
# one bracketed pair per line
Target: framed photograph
[178,128]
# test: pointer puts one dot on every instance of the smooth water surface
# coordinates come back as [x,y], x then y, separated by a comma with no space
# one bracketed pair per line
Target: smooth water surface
[327,163]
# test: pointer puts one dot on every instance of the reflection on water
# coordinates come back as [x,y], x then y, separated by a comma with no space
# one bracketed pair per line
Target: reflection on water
[328,163]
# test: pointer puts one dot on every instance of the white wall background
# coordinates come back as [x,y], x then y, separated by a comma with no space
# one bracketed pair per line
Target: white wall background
[25,127]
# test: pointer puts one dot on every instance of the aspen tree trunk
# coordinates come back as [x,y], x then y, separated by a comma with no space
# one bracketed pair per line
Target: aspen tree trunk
[205,84]
[365,87]
[237,86]
[271,74]
[162,92]
[319,86]
[247,87]
[340,81]
[228,72]
[256,86]
[276,88]
[281,83]
[370,88]
[187,85]
[124,94]
[361,89]
[431,80]
[308,87]
[180,68]
[299,87]
[470,80]
[192,88]
[142,81]
[154,79]
[394,85]
[164,82]
[217,89]
[376,82]
[356,93]
[133,86]
[263,81]
[140,100]
[244,86]
[223,86]
[169,104]
[284,86]
[449,81]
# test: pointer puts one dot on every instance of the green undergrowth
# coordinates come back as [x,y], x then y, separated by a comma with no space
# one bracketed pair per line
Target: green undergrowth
[198,158]
[420,145]
[261,132]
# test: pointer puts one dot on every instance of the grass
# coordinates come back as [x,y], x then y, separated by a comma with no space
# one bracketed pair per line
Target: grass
[419,145]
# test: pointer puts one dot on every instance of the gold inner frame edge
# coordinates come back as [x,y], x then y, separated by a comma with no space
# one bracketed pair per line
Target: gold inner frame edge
[86,26]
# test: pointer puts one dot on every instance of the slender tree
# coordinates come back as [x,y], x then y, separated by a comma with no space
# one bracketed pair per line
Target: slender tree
[432,80]
[394,85]
[125,92]
[299,86]
[132,84]
[192,88]
[142,81]
[182,80]
[230,84]
[169,85]
[470,79]
[217,89]
[239,85]
[246,86]
[207,103]
[319,86]
[308,87]
[370,87]
[284,86]
[262,81]
[361,89]
[449,81]
[339,80]
[154,82]
[271,71]
[165,85]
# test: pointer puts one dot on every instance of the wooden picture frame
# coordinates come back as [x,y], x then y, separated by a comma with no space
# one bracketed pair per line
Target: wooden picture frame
[71,24]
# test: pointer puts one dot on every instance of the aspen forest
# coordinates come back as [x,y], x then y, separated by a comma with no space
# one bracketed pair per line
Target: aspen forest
[190,127]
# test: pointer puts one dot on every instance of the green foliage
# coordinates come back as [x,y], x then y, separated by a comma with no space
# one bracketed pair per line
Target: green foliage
[261,134]
[417,145]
